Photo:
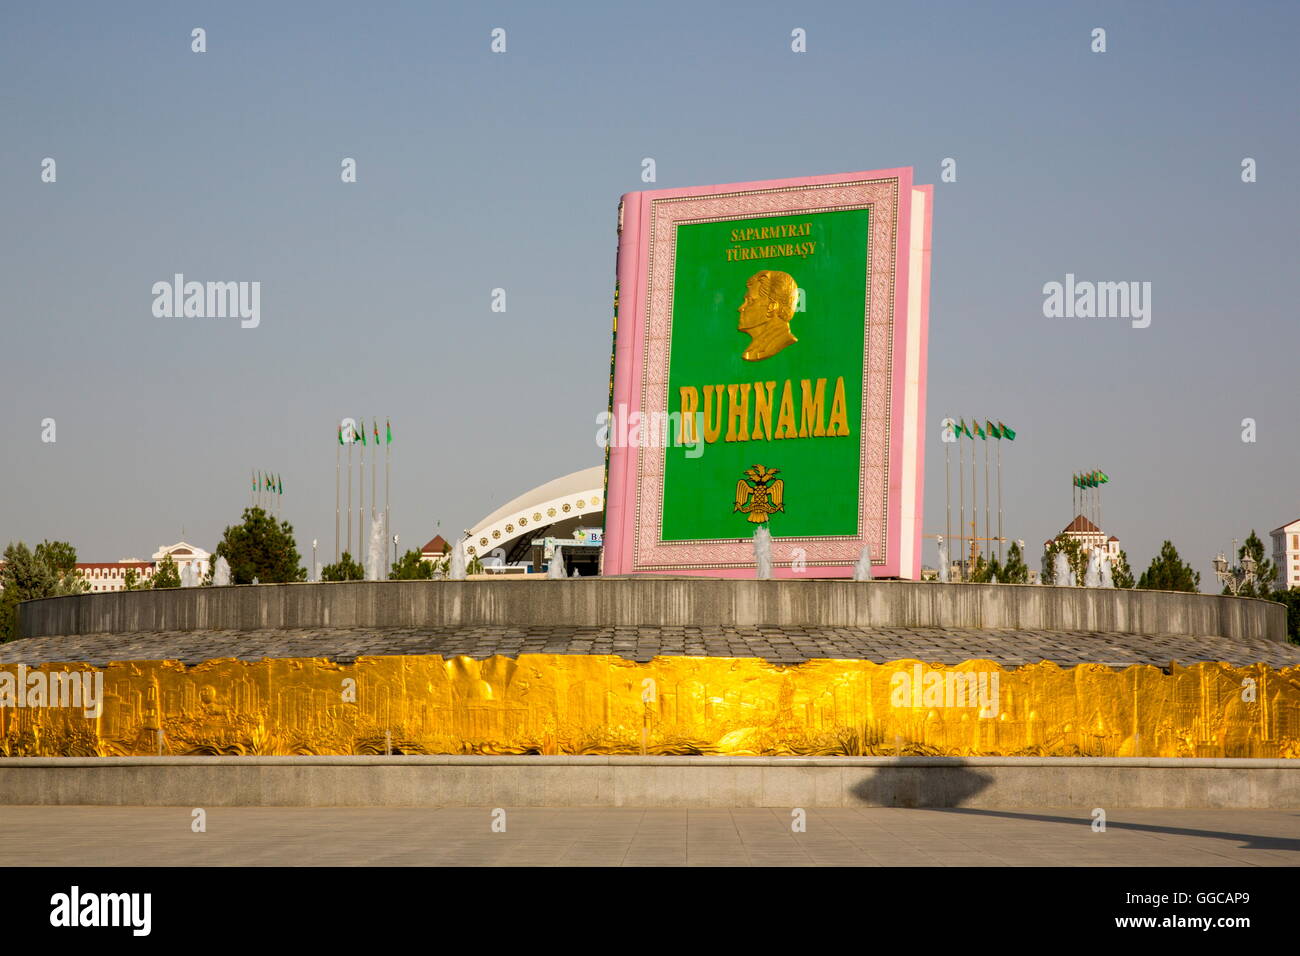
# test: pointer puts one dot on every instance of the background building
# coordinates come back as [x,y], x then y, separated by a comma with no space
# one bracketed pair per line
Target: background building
[1286,554]
[111,575]
[436,549]
[105,576]
[1090,536]
[569,507]
[186,556]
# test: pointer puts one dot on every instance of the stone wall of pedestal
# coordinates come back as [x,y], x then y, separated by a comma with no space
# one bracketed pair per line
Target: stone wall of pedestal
[635,601]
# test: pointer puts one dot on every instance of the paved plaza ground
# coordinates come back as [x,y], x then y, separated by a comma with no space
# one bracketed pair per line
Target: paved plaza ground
[779,645]
[342,836]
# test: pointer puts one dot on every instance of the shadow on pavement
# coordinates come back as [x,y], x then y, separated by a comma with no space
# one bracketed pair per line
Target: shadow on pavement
[1250,841]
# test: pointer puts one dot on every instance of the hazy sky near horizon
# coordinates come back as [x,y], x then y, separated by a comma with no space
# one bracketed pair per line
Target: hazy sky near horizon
[478,170]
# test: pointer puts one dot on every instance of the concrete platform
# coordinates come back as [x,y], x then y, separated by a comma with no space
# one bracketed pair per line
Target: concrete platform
[681,782]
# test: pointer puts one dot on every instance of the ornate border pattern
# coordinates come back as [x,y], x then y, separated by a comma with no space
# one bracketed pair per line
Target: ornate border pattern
[650,552]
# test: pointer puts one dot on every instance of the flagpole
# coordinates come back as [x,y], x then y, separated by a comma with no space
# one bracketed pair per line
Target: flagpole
[961,479]
[947,490]
[986,491]
[374,466]
[1002,558]
[974,500]
[388,468]
[351,442]
[361,498]
[338,450]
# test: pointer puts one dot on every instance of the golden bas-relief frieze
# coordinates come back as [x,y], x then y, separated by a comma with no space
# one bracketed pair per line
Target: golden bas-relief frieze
[567,704]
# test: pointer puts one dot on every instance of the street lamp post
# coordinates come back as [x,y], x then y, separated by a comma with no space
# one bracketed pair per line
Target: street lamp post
[394,549]
[1235,578]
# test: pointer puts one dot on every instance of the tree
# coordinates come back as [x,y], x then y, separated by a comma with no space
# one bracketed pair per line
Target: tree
[985,572]
[1016,571]
[61,558]
[260,548]
[1168,572]
[48,571]
[1121,575]
[1073,552]
[345,570]
[412,567]
[442,567]
[167,575]
[1265,570]
[1291,598]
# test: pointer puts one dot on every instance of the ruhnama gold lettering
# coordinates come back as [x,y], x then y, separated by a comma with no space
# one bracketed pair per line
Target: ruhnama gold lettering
[730,415]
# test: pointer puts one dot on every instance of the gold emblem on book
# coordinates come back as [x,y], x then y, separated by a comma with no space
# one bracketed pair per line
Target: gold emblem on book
[770,299]
[764,497]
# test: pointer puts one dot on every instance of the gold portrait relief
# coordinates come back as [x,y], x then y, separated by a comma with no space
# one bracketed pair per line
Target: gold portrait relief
[770,299]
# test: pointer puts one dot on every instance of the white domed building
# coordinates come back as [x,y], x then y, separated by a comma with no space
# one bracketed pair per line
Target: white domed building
[521,535]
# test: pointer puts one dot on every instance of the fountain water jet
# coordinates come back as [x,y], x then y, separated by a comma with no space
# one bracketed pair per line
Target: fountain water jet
[862,570]
[1092,576]
[555,570]
[456,564]
[221,573]
[376,556]
[763,554]
[945,568]
[1062,576]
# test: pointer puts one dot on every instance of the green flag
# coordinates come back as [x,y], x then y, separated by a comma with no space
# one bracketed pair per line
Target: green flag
[362,432]
[1074,480]
[254,475]
[279,485]
[376,424]
[1103,476]
[389,425]
[978,431]
[340,433]
[1007,432]
[992,429]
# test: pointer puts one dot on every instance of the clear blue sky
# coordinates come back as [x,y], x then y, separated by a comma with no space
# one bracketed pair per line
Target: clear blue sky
[479,171]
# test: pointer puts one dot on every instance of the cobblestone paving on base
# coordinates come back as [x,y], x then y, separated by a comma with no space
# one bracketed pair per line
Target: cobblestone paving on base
[780,645]
[583,836]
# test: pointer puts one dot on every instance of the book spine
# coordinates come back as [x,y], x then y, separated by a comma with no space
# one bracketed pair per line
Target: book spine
[609,408]
[918,326]
[620,459]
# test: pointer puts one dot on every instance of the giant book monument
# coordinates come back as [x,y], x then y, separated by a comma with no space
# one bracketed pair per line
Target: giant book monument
[769,371]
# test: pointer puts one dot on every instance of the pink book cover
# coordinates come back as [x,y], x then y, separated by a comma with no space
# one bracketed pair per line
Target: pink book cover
[769,373]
